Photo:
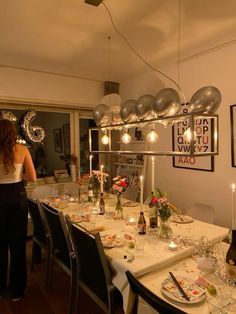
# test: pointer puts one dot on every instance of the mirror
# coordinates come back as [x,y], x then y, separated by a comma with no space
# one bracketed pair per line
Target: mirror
[46,157]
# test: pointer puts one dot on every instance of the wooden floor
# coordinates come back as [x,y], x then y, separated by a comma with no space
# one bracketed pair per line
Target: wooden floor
[39,300]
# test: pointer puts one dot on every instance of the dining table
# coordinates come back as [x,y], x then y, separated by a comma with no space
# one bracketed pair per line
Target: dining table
[148,257]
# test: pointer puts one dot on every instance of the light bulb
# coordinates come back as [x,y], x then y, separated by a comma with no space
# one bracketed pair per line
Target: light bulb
[152,136]
[188,135]
[126,138]
[105,139]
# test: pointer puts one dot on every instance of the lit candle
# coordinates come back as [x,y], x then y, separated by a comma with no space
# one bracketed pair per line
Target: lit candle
[153,173]
[233,206]
[101,185]
[90,165]
[141,193]
[172,246]
[131,220]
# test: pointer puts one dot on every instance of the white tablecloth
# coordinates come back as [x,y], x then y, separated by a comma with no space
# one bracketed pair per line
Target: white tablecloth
[187,267]
[156,253]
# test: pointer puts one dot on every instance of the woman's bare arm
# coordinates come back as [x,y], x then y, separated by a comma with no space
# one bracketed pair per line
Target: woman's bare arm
[29,170]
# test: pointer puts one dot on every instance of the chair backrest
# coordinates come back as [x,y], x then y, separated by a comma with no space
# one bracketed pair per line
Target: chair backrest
[152,299]
[131,193]
[56,234]
[94,273]
[39,232]
[203,212]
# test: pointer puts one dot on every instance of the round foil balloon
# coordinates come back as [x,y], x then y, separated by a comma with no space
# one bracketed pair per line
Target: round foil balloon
[166,102]
[111,99]
[144,106]
[113,102]
[32,133]
[128,111]
[115,114]
[205,100]
[101,115]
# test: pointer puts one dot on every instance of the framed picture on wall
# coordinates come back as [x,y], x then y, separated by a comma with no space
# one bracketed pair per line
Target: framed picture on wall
[233,134]
[66,138]
[57,140]
[204,142]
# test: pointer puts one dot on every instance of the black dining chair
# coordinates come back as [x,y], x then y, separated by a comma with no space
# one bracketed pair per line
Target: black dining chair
[94,275]
[40,236]
[61,249]
[152,299]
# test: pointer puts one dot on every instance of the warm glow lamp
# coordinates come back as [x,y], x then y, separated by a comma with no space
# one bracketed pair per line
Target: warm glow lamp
[105,138]
[152,136]
[126,138]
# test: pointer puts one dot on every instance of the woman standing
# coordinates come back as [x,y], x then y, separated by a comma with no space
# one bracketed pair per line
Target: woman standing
[16,166]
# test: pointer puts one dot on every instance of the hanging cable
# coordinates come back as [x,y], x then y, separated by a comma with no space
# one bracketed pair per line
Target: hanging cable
[139,56]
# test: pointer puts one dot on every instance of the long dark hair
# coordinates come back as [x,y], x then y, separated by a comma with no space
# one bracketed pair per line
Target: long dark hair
[8,138]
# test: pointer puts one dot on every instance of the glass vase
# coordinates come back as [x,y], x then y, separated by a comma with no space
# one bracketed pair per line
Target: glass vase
[165,230]
[153,220]
[119,207]
[96,197]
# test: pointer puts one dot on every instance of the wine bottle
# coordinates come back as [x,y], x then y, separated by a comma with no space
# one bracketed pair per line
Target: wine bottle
[152,213]
[90,193]
[101,205]
[141,224]
[231,257]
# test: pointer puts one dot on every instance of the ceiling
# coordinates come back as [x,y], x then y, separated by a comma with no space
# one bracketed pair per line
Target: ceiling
[70,37]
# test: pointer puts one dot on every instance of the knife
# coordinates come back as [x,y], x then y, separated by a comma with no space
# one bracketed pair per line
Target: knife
[181,290]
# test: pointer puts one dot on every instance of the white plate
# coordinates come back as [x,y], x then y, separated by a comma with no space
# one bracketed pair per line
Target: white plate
[112,240]
[188,285]
[181,219]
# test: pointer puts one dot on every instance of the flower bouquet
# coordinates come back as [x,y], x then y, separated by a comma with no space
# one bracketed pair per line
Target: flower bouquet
[119,186]
[165,211]
[95,181]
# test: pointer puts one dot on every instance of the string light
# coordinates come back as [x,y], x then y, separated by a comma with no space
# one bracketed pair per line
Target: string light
[152,136]
[105,138]
[126,138]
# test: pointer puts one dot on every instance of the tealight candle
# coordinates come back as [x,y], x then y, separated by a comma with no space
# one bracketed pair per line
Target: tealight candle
[131,220]
[172,246]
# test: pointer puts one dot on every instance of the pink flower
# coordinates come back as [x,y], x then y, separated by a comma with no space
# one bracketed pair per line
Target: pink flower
[119,184]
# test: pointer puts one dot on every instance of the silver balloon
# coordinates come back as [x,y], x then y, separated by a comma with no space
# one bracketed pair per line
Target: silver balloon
[33,133]
[128,111]
[205,100]
[144,106]
[8,115]
[101,115]
[166,102]
[115,114]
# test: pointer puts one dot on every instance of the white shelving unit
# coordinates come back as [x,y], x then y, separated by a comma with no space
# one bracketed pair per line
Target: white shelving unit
[132,166]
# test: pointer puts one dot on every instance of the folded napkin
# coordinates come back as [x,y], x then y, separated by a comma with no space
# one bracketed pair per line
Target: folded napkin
[91,227]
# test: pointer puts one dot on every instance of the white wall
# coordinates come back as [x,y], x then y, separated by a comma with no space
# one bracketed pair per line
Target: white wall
[49,88]
[185,187]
